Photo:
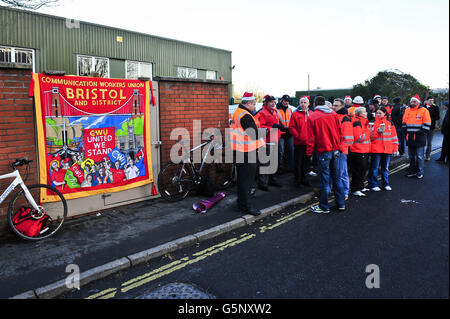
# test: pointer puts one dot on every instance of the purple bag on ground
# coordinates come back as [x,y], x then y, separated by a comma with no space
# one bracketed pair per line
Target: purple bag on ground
[204,205]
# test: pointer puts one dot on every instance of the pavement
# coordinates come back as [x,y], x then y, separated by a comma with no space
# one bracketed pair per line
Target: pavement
[109,241]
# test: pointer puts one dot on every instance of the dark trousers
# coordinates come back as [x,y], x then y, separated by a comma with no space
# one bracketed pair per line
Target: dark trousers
[401,140]
[245,175]
[265,179]
[359,165]
[302,164]
[445,148]
[430,135]
[286,143]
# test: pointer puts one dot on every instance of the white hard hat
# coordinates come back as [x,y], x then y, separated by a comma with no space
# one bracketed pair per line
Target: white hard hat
[358,100]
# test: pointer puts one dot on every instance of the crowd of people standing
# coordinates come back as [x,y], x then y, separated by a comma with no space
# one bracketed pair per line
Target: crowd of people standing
[349,141]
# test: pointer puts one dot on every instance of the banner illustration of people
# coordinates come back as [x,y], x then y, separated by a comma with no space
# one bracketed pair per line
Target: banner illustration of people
[93,133]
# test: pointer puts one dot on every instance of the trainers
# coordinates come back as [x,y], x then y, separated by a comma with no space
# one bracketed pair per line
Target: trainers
[311,174]
[365,190]
[388,188]
[375,189]
[359,193]
[411,174]
[341,209]
[419,176]
[318,210]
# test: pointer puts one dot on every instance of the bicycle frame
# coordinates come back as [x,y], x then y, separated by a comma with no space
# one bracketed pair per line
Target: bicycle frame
[17,181]
[188,161]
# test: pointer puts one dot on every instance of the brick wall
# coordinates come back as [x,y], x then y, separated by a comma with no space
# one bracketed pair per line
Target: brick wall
[182,102]
[17,127]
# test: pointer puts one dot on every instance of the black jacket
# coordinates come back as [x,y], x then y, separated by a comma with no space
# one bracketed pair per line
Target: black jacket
[248,122]
[370,113]
[397,114]
[434,114]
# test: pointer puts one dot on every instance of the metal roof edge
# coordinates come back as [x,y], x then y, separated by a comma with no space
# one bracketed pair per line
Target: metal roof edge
[111,27]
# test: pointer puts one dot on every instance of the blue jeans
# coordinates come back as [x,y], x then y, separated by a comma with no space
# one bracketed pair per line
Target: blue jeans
[329,171]
[344,173]
[416,159]
[281,149]
[375,161]
[343,169]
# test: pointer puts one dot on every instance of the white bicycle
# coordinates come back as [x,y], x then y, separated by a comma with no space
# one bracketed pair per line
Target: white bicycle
[27,216]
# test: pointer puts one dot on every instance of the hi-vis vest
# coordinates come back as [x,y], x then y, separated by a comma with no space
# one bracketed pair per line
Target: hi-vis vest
[285,117]
[240,141]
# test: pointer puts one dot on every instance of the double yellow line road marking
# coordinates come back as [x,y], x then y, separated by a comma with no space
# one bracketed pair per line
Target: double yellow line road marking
[171,267]
[186,261]
[198,256]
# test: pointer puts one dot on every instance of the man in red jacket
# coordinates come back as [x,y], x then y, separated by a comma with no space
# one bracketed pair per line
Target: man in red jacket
[298,127]
[347,142]
[269,119]
[325,138]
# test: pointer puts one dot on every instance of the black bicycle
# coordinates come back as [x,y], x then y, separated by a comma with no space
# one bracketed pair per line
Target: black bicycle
[177,180]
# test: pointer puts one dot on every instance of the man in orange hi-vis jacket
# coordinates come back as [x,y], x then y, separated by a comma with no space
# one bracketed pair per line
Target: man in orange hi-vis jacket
[416,125]
[244,143]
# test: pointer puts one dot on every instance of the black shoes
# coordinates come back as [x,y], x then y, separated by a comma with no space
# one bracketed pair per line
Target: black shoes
[275,183]
[251,211]
[306,183]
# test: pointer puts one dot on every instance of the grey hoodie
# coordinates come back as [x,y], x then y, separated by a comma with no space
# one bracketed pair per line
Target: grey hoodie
[323,108]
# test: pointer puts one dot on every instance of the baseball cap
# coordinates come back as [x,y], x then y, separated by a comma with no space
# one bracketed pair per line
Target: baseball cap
[268,98]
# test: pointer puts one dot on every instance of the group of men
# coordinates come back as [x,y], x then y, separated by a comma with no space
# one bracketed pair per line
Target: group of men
[326,131]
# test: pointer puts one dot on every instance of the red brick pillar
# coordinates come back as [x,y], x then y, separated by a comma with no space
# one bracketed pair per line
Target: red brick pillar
[17,127]
[181,101]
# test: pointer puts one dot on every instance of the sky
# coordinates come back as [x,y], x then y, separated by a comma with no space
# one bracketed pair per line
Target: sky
[276,44]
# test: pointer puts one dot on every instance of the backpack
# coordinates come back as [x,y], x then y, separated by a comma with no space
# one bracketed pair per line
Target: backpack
[206,187]
[26,224]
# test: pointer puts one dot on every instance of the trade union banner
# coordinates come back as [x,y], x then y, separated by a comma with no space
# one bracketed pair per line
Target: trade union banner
[93,134]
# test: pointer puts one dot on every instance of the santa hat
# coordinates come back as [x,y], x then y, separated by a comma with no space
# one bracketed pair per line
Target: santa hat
[248,97]
[416,98]
[304,98]
[377,96]
[348,97]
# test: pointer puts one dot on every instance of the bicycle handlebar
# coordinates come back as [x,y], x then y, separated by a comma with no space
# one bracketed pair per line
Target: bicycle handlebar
[20,162]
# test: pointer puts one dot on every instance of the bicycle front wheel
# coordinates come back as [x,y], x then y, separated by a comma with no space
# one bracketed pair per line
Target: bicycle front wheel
[54,213]
[175,181]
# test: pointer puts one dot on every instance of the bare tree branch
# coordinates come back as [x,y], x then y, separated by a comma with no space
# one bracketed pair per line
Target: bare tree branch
[29,4]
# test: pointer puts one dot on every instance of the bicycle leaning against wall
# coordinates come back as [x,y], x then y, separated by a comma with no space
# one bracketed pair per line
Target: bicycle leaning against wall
[27,218]
[177,180]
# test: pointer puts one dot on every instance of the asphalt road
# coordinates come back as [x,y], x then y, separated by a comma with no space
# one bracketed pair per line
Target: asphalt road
[397,241]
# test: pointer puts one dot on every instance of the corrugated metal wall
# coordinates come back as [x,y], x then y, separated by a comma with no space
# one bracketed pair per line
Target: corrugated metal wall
[57,42]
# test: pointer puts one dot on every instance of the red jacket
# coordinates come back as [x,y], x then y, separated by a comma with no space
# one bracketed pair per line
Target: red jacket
[298,126]
[324,131]
[267,118]
[384,142]
[361,135]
